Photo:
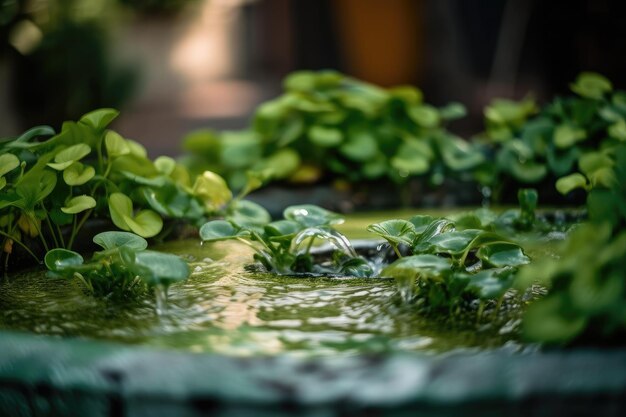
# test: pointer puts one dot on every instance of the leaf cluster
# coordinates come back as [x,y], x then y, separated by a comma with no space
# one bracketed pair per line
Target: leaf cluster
[285,246]
[530,144]
[328,124]
[122,269]
[447,264]
[50,188]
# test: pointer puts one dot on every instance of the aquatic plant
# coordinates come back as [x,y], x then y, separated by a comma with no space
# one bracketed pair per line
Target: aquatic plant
[285,246]
[443,265]
[586,300]
[530,145]
[327,125]
[50,188]
[122,269]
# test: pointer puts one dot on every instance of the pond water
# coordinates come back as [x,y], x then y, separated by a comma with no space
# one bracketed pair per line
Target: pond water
[225,308]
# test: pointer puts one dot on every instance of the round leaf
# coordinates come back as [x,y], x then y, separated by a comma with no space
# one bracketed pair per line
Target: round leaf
[79,204]
[59,259]
[414,266]
[115,239]
[146,223]
[78,174]
[395,231]
[591,85]
[325,136]
[115,144]
[566,135]
[212,189]
[218,230]
[309,215]
[247,213]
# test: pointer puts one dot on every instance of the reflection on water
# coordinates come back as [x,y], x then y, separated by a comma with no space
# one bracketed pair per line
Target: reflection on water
[224,308]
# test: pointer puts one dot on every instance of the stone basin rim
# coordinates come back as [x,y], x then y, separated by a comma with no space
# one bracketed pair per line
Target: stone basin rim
[399,379]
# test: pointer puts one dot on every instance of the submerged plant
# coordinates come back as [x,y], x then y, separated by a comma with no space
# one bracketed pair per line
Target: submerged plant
[50,188]
[285,246]
[122,269]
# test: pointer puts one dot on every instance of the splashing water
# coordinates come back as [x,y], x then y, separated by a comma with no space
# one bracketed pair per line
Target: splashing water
[334,238]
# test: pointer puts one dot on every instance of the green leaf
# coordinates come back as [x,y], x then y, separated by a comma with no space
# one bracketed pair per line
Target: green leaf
[165,165]
[309,215]
[421,222]
[458,154]
[245,213]
[8,162]
[282,229]
[566,135]
[68,156]
[454,242]
[570,182]
[591,85]
[116,145]
[157,268]
[34,186]
[417,266]
[146,223]
[502,254]
[99,119]
[424,115]
[618,130]
[3,182]
[593,161]
[212,189]
[360,146]
[115,239]
[219,230]
[547,320]
[325,136]
[78,174]
[395,231]
[452,111]
[120,206]
[491,284]
[78,204]
[59,259]
[413,157]
[24,140]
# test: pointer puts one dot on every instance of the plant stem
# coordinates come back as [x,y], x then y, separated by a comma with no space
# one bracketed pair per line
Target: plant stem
[21,244]
[397,251]
[41,237]
[49,223]
[76,228]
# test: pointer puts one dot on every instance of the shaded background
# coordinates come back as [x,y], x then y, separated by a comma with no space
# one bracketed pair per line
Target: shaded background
[172,66]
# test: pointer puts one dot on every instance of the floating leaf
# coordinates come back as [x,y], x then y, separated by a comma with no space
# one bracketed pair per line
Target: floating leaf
[68,156]
[219,230]
[78,174]
[309,215]
[60,259]
[79,204]
[454,242]
[115,239]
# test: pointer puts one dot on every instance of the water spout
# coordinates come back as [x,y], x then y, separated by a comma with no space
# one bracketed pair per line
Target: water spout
[160,295]
[334,238]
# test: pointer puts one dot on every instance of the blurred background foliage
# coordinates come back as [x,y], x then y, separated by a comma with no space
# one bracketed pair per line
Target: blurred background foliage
[176,65]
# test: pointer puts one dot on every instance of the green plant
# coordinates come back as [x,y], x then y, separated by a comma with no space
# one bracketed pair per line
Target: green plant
[445,265]
[122,269]
[284,246]
[586,300]
[327,125]
[49,189]
[531,145]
